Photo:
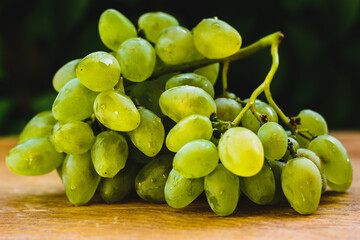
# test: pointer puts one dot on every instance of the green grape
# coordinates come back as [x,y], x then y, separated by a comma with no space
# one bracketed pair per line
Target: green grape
[335,161]
[180,191]
[109,153]
[227,109]
[115,28]
[215,38]
[241,152]
[152,23]
[116,111]
[174,45]
[211,72]
[261,187]
[296,145]
[65,74]
[301,183]
[79,178]
[148,94]
[40,125]
[150,181]
[313,122]
[196,159]
[274,140]
[251,122]
[191,79]
[74,102]
[36,156]
[277,167]
[188,129]
[222,190]
[73,137]
[117,188]
[180,102]
[137,59]
[98,71]
[149,136]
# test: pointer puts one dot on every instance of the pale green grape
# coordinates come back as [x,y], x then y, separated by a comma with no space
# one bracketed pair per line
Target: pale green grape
[188,129]
[196,159]
[227,109]
[215,38]
[222,190]
[180,191]
[241,152]
[251,122]
[191,79]
[98,71]
[211,72]
[115,28]
[180,102]
[150,181]
[152,23]
[117,188]
[301,183]
[174,45]
[137,59]
[109,153]
[79,178]
[277,168]
[274,140]
[36,156]
[74,102]
[116,111]
[40,125]
[149,136]
[73,137]
[65,74]
[335,161]
[261,187]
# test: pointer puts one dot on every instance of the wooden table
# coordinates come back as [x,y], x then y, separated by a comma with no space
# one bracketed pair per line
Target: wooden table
[37,208]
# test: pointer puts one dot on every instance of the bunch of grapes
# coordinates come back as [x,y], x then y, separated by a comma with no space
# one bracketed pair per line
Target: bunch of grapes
[144,117]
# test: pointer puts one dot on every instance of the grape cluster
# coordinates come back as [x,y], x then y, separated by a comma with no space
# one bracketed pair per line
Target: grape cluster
[118,123]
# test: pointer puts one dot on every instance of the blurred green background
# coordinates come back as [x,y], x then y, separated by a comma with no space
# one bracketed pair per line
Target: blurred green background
[319,57]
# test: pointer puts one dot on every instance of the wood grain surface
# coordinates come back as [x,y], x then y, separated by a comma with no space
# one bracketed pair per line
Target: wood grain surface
[37,208]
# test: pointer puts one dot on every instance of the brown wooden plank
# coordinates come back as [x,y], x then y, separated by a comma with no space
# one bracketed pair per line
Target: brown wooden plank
[36,208]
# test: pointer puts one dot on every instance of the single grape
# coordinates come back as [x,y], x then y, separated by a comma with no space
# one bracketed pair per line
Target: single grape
[152,23]
[137,59]
[149,136]
[215,38]
[274,140]
[196,159]
[227,109]
[40,125]
[241,152]
[115,28]
[174,45]
[261,187]
[98,71]
[180,191]
[188,129]
[109,153]
[74,102]
[211,72]
[335,161]
[116,111]
[79,178]
[180,102]
[301,183]
[65,74]
[73,137]
[222,190]
[36,156]
[277,168]
[251,122]
[118,187]
[150,181]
